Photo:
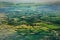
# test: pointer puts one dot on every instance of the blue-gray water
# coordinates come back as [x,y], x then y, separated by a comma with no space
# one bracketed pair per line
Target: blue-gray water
[33,8]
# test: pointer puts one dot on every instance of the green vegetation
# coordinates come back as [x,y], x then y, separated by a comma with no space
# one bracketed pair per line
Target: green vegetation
[28,24]
[31,28]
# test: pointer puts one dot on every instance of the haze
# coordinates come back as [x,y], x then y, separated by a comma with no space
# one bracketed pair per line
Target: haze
[31,1]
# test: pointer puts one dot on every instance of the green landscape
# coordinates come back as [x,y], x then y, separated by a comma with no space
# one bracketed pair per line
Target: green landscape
[29,21]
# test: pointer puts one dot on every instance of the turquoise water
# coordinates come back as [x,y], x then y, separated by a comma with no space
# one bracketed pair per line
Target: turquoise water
[31,8]
[27,10]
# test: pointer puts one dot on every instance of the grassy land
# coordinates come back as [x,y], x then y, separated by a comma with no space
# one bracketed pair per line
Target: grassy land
[37,32]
